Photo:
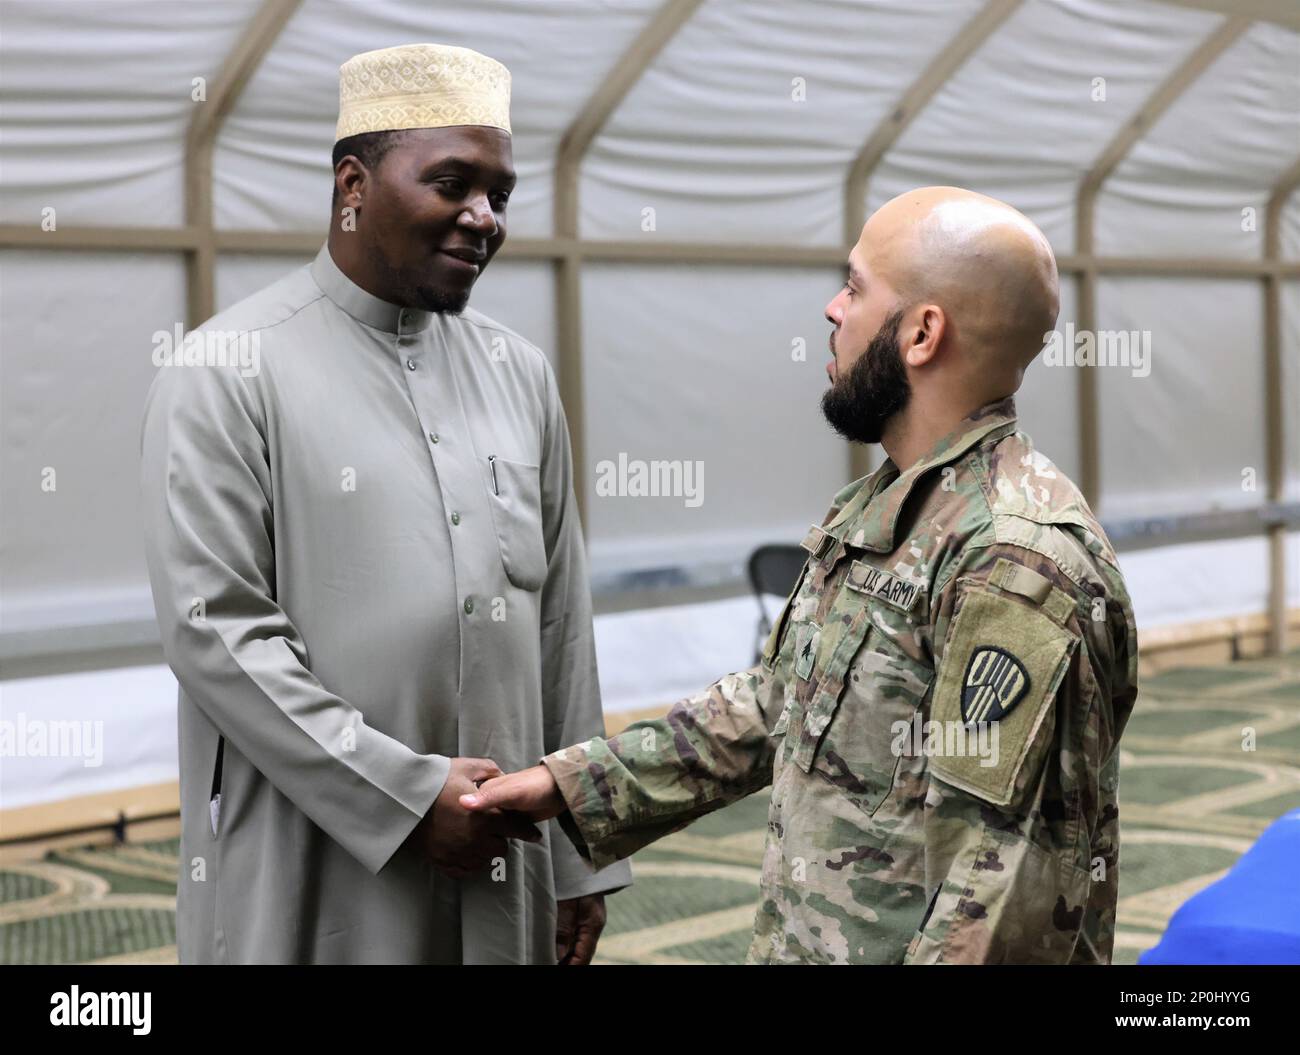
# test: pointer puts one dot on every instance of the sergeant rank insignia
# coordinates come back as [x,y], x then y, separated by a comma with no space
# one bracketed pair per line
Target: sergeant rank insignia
[806,650]
[995,682]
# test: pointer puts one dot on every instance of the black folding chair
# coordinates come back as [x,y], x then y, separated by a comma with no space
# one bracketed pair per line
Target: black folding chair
[773,570]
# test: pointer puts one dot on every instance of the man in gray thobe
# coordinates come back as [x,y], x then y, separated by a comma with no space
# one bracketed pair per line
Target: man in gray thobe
[369,572]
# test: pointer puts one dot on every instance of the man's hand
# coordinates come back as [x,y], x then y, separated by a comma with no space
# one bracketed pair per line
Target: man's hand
[532,792]
[578,924]
[458,842]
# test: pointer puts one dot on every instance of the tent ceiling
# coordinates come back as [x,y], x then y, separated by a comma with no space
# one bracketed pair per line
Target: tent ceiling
[95,113]
[710,137]
[1220,148]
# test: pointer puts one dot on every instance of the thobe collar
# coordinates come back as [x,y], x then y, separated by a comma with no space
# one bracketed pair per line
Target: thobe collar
[362,306]
[870,518]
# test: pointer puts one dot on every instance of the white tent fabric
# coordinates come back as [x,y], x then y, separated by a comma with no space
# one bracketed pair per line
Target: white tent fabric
[750,142]
[1029,92]
[701,361]
[75,363]
[740,131]
[96,99]
[1205,364]
[1236,121]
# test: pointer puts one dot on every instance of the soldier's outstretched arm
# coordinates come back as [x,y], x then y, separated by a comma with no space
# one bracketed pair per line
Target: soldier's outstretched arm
[1021,840]
[613,796]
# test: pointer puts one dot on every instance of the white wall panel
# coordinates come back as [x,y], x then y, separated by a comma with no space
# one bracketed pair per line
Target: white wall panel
[693,363]
[1180,439]
[76,331]
[1291,387]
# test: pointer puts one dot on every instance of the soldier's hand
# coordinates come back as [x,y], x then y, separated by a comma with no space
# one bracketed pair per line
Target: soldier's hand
[460,842]
[532,792]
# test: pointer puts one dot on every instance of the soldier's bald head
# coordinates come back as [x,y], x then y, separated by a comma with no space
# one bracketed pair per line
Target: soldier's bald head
[986,265]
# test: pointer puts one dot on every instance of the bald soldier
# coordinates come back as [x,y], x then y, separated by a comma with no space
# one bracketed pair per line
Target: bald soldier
[939,706]
[369,572]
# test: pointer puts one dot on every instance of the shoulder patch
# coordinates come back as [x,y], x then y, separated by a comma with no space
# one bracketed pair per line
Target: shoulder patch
[1002,664]
[995,682]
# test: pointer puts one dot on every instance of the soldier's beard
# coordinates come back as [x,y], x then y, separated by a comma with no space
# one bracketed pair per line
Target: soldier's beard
[859,404]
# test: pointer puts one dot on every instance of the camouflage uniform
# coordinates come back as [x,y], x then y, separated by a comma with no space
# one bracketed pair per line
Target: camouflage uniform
[975,586]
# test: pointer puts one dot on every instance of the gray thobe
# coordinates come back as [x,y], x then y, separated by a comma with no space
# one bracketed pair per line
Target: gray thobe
[366,558]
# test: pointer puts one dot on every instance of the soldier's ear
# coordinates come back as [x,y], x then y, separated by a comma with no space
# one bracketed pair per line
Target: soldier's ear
[922,334]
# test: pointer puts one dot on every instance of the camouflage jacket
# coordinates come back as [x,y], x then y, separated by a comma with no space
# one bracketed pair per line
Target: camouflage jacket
[938,711]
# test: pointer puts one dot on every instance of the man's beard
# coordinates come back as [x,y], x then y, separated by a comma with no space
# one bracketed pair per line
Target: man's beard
[859,405]
[442,301]
[411,290]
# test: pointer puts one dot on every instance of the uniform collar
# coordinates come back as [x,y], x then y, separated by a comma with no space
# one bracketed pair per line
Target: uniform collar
[362,306]
[871,517]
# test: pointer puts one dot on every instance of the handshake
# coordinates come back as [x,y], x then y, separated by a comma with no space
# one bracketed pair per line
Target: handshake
[479,808]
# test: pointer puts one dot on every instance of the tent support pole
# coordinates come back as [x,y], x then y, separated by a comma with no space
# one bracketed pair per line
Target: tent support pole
[1274,421]
[1161,99]
[200,142]
[573,147]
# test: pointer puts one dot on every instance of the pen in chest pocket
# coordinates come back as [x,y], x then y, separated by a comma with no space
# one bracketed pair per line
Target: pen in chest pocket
[492,464]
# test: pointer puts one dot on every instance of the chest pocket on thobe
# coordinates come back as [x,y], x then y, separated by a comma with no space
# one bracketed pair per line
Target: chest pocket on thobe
[868,679]
[515,497]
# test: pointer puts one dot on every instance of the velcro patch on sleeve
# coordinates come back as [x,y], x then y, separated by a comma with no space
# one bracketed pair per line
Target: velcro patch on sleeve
[1002,666]
[1016,578]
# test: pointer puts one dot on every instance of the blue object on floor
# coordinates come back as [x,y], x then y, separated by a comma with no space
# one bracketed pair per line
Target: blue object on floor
[1250,916]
